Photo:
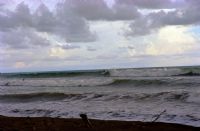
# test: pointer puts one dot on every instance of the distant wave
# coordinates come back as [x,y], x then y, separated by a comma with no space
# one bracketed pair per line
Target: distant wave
[136,72]
[57,74]
[143,82]
[157,72]
[141,97]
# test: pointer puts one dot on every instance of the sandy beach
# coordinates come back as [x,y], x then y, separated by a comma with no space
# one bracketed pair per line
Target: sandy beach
[61,124]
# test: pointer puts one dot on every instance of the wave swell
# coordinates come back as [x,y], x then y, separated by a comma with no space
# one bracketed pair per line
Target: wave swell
[41,96]
[154,82]
[138,97]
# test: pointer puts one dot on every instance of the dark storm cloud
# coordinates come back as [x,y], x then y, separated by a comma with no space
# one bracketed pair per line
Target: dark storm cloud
[188,15]
[21,17]
[98,10]
[22,38]
[89,48]
[63,23]
[153,4]
[69,46]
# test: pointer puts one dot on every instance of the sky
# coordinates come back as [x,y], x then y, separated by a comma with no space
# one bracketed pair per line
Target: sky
[53,35]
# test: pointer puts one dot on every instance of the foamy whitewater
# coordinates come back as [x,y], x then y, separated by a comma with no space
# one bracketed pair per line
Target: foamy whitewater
[119,94]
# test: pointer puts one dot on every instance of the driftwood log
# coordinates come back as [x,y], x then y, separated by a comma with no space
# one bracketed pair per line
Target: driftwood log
[86,121]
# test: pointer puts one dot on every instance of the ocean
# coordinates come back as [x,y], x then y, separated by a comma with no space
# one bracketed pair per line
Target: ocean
[139,94]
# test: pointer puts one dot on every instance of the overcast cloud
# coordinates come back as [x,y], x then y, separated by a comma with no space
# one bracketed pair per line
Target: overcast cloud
[97,33]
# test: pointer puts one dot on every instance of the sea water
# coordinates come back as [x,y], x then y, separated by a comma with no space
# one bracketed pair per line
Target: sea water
[117,94]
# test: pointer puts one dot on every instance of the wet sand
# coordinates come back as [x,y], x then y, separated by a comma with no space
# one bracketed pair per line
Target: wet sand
[61,124]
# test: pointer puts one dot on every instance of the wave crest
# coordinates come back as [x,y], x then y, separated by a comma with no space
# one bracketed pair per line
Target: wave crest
[186,97]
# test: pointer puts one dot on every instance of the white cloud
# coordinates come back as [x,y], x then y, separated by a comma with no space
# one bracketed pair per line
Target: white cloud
[20,64]
[57,51]
[172,40]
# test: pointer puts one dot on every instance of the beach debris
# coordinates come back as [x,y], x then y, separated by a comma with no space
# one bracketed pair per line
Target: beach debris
[86,121]
[158,116]
[7,84]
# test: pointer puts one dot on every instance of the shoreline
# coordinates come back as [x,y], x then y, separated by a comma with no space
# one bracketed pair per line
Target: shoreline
[75,124]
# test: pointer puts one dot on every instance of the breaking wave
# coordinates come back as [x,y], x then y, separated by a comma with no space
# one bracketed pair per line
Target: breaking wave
[143,82]
[138,97]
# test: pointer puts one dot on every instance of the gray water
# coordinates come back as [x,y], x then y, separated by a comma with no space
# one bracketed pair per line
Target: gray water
[121,94]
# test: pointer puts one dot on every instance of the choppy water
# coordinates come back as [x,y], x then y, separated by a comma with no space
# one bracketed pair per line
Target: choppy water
[122,94]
